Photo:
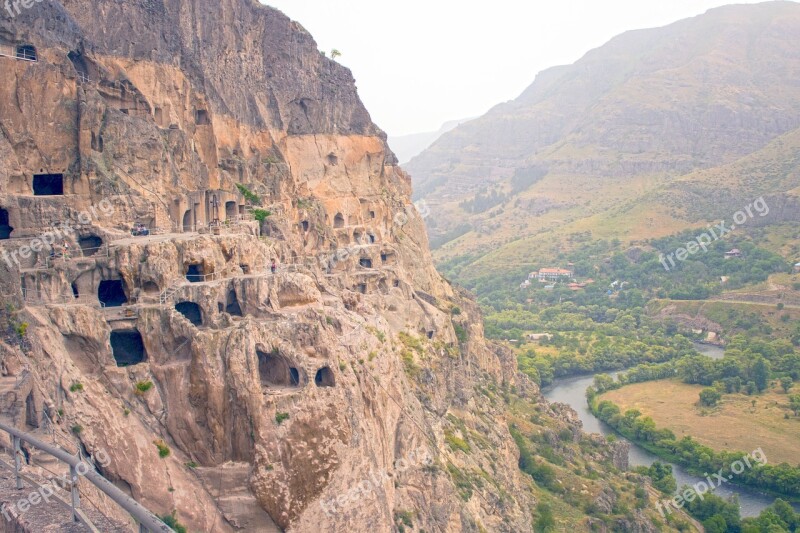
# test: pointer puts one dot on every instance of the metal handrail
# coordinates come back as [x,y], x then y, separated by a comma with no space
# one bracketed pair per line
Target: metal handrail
[147,520]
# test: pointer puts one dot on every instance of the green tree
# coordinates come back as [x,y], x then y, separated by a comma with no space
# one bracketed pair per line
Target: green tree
[794,403]
[786,384]
[545,520]
[709,397]
[761,374]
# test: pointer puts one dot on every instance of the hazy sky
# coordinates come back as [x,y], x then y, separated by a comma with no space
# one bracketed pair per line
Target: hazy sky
[420,63]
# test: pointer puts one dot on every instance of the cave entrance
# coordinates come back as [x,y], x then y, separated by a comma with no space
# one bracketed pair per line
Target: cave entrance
[191,311]
[5,229]
[230,210]
[305,225]
[338,221]
[201,118]
[324,378]
[187,221]
[150,287]
[111,293]
[232,307]
[195,273]
[275,370]
[48,184]
[365,262]
[31,416]
[128,348]
[27,52]
[75,292]
[90,244]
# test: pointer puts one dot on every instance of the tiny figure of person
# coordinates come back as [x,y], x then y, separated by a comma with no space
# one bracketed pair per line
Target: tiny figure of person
[274,267]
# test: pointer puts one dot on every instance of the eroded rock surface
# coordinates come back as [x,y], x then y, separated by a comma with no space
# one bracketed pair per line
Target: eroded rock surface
[276,390]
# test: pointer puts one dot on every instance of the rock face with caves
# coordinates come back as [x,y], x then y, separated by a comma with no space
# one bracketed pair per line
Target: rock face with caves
[281,330]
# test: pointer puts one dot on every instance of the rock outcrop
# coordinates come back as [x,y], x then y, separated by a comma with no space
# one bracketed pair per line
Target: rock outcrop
[278,352]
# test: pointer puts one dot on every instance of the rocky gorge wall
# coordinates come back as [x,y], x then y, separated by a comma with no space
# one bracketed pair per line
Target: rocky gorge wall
[278,392]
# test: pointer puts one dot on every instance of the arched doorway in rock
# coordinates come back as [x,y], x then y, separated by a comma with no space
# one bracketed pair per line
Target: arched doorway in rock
[90,244]
[75,291]
[232,306]
[305,225]
[195,273]
[150,287]
[338,221]
[325,378]
[5,228]
[111,293]
[230,210]
[128,347]
[188,226]
[275,371]
[191,311]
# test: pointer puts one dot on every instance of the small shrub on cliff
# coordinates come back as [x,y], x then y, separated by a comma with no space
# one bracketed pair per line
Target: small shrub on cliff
[22,329]
[456,443]
[172,521]
[76,387]
[456,310]
[411,342]
[77,429]
[163,449]
[408,362]
[461,333]
[403,519]
[249,195]
[191,464]
[280,418]
[261,214]
[143,386]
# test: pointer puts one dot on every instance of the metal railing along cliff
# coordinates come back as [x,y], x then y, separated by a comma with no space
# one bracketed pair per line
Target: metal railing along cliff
[148,522]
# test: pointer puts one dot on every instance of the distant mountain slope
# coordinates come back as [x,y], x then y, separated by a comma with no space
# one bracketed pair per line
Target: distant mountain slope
[616,128]
[406,147]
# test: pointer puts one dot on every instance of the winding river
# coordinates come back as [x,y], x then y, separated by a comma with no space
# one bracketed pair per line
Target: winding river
[572,391]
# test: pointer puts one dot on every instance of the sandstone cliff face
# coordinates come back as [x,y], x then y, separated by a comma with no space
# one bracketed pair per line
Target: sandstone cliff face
[277,393]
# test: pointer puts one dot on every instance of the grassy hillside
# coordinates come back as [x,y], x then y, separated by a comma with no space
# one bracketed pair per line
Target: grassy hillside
[656,132]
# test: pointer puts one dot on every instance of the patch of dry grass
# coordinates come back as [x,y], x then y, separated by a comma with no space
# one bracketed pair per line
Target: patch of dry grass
[734,425]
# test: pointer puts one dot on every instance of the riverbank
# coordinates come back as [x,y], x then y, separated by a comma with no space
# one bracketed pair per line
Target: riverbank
[777,480]
[572,392]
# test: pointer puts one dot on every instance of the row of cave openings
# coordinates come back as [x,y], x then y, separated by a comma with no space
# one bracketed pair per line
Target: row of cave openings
[277,373]
[274,370]
[339,222]
[194,314]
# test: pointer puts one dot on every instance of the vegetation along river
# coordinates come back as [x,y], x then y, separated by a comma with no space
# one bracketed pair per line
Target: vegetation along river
[572,391]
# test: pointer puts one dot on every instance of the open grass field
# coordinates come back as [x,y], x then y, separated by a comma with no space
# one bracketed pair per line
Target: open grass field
[734,425]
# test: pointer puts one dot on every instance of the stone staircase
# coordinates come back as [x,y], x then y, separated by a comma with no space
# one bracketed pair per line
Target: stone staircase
[168,294]
[228,485]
